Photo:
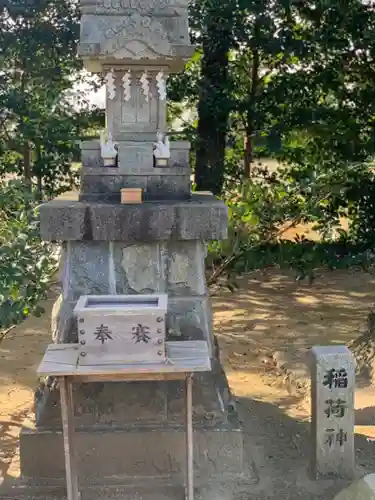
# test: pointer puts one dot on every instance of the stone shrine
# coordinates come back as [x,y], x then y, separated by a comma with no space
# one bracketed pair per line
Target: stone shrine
[135,44]
[130,433]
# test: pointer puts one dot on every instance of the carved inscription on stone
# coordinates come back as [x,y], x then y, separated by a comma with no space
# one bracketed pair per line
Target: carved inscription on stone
[179,268]
[138,36]
[133,24]
[136,44]
[134,158]
[94,408]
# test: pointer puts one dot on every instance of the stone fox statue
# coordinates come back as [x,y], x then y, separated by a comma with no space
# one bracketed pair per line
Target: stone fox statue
[161,147]
[108,149]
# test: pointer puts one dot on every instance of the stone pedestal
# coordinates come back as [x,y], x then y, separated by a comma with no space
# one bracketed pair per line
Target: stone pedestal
[136,430]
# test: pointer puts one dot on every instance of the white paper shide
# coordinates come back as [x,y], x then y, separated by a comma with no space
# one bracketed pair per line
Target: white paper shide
[145,85]
[161,85]
[110,81]
[127,85]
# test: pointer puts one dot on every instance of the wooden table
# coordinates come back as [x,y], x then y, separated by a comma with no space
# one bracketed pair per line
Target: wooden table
[62,362]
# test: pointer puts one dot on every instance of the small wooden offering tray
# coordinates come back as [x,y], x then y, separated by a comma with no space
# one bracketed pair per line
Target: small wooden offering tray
[131,195]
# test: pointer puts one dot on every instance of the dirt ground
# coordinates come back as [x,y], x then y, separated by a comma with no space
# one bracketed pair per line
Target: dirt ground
[270,313]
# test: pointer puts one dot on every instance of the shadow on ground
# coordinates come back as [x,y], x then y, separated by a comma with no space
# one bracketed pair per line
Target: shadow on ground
[365,416]
[272,312]
[9,431]
[280,451]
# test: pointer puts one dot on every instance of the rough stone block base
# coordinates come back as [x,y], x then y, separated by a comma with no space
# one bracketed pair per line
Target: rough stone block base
[156,490]
[134,452]
[116,404]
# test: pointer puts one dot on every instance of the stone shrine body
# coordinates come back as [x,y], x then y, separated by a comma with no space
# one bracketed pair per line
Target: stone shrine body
[130,432]
[135,45]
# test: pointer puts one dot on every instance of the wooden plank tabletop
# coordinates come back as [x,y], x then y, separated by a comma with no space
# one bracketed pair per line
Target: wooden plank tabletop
[182,357]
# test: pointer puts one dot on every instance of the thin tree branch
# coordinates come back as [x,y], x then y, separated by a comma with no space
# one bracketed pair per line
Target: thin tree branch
[212,279]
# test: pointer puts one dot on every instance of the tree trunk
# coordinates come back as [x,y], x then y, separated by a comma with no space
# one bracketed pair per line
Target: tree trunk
[248,157]
[26,150]
[38,173]
[27,164]
[250,125]
[213,106]
[363,349]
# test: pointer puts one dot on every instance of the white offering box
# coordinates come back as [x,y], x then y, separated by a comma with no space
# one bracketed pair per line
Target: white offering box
[115,329]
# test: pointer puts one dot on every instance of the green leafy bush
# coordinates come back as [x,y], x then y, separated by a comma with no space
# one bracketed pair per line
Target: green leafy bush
[26,263]
[263,208]
[259,209]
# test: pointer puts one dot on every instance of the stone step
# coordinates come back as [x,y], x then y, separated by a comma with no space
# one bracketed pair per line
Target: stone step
[97,492]
[102,494]
[114,489]
[134,452]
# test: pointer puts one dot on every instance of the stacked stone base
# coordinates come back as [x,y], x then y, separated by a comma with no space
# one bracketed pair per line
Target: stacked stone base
[134,433]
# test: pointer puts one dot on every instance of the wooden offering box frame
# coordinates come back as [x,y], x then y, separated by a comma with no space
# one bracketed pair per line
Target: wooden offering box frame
[63,361]
[115,329]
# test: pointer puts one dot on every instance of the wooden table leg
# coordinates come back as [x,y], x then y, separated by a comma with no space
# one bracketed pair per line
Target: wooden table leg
[67,414]
[189,439]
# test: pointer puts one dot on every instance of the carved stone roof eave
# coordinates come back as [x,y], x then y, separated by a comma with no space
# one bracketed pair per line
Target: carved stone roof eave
[94,62]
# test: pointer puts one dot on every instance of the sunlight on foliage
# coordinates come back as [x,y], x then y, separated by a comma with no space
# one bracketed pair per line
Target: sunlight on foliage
[26,263]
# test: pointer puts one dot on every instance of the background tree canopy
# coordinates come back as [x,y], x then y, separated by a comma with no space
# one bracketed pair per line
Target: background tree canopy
[287,80]
[39,127]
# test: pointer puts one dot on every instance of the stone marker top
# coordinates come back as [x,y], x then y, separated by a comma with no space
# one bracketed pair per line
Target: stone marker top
[321,355]
[330,349]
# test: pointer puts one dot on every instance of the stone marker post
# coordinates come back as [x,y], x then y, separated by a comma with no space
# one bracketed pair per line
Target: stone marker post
[332,419]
